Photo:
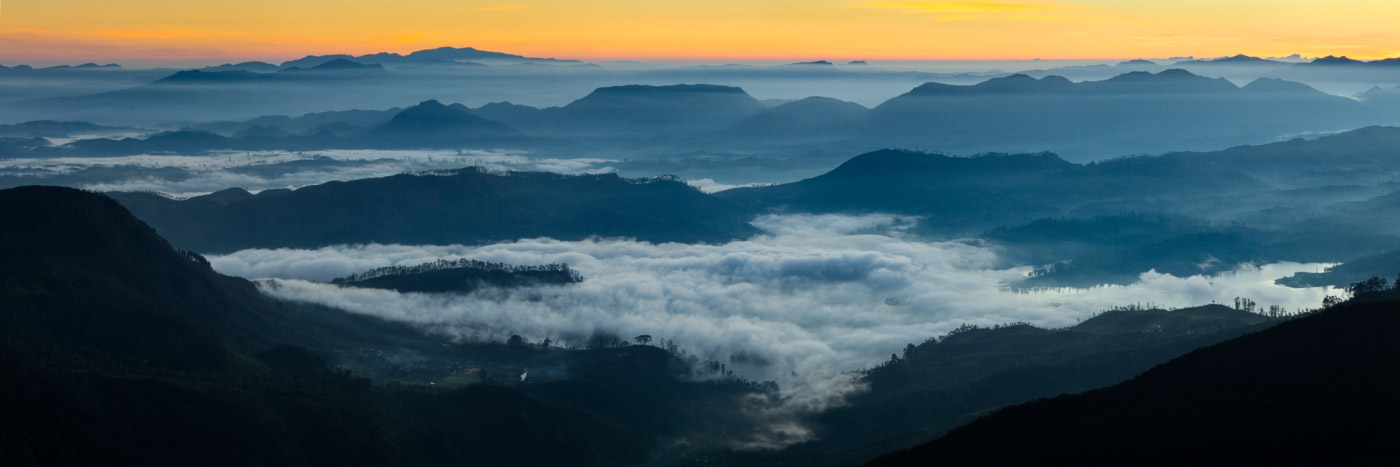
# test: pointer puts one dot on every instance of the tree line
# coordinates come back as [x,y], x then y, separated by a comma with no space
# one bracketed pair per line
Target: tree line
[464,263]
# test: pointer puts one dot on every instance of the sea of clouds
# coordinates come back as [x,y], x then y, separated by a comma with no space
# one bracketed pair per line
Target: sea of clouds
[817,296]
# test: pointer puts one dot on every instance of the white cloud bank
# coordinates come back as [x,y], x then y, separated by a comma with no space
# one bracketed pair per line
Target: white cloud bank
[818,295]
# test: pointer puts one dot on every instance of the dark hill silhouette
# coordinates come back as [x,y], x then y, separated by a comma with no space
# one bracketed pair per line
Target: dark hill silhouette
[465,206]
[1312,390]
[119,350]
[949,381]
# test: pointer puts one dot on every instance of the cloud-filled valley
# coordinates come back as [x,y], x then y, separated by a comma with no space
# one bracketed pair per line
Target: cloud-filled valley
[816,296]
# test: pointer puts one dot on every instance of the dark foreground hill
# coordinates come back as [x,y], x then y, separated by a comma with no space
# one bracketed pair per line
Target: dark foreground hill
[947,382]
[1315,390]
[118,350]
[468,206]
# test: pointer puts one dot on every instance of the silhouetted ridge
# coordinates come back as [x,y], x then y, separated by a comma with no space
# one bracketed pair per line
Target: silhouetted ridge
[445,208]
[82,271]
[1316,389]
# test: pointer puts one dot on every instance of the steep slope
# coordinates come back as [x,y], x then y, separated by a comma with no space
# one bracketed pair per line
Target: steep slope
[947,382]
[119,350]
[61,250]
[1315,389]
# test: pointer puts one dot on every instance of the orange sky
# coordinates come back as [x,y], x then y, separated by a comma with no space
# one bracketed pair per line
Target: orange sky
[48,31]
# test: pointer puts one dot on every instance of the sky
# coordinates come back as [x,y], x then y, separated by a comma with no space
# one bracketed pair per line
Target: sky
[49,31]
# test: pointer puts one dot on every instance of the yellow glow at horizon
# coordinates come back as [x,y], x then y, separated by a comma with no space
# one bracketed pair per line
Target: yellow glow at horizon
[715,29]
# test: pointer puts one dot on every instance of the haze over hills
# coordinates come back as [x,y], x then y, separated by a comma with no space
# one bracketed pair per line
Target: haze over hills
[1150,113]
[457,256]
[1132,113]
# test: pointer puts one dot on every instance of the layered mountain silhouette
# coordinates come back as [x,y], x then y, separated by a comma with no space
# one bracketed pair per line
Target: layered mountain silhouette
[1135,112]
[468,206]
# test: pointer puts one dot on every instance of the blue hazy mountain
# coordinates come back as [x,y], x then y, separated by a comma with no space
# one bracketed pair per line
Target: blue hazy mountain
[255,67]
[430,124]
[804,119]
[1173,109]
[438,55]
[1235,60]
[649,111]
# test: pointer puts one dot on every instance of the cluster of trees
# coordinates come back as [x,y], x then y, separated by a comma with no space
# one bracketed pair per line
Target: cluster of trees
[464,263]
[1374,285]
[1371,286]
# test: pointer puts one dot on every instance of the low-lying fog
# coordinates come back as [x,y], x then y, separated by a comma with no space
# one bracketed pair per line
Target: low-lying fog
[816,296]
[184,176]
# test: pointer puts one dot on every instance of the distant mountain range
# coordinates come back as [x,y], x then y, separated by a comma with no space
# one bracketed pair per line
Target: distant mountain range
[430,56]
[1148,112]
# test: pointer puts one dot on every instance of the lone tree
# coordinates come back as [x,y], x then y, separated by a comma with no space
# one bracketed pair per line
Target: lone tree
[643,339]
